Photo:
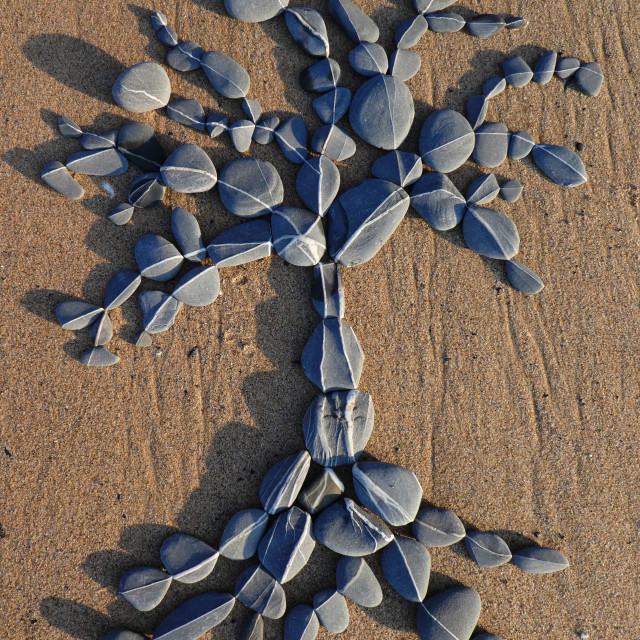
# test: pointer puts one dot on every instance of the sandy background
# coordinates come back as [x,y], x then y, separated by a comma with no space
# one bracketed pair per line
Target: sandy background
[521,414]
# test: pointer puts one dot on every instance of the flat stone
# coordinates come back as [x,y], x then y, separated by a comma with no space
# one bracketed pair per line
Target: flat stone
[282,483]
[483,189]
[143,87]
[446,140]
[216,124]
[487,549]
[356,581]
[147,191]
[332,358]
[545,67]
[168,36]
[354,21]
[511,190]
[143,340]
[391,492]
[369,59]
[331,106]
[254,10]
[450,614]
[327,294]
[57,176]
[540,560]
[266,129]
[256,589]
[157,258]
[123,634]
[561,165]
[486,26]
[198,287]
[139,144]
[301,623]
[445,22]
[253,629]
[159,311]
[477,107]
[187,112]
[158,20]
[120,288]
[195,617]
[121,213]
[188,559]
[404,64]
[144,587]
[348,530]
[517,72]
[186,231]
[400,167]
[522,278]
[566,67]
[382,112]
[286,548]
[185,56]
[406,565]
[102,330]
[309,31]
[515,22]
[318,183]
[494,87]
[331,141]
[337,427]
[241,244]
[438,201]
[243,533]
[74,315]
[298,236]
[241,132]
[492,144]
[226,75]
[292,138]
[249,187]
[321,76]
[323,491]
[189,170]
[520,145]
[99,162]
[99,357]
[331,609]
[438,527]
[68,128]
[106,140]
[252,109]
[589,78]
[408,34]
[490,233]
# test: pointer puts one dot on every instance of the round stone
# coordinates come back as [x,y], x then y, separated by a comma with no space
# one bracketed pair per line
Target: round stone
[143,87]
[298,236]
[446,140]
[189,170]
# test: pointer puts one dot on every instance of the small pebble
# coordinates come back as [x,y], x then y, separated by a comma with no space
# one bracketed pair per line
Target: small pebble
[511,190]
[189,170]
[517,72]
[143,340]
[254,10]
[266,129]
[157,258]
[487,549]
[425,6]
[282,483]
[566,67]
[450,614]
[186,231]
[369,59]
[408,34]
[522,278]
[327,293]
[323,491]
[198,287]
[185,56]
[318,183]
[446,140]
[492,144]
[404,64]
[226,75]
[438,527]
[520,145]
[493,87]
[301,623]
[252,109]
[158,20]
[159,311]
[561,165]
[253,628]
[540,560]
[120,288]
[490,233]
[445,22]
[438,201]
[74,315]
[256,589]
[216,124]
[400,167]
[102,330]
[123,634]
[589,78]
[99,162]
[187,112]
[477,107]
[241,244]
[545,67]
[298,236]
[331,106]
[309,31]
[99,357]
[241,132]
[139,144]
[321,76]
[146,192]
[188,559]
[483,189]
[332,142]
[354,21]
[292,138]
[242,535]
[406,565]
[516,23]
[331,609]
[356,581]
[57,176]
[107,140]
[168,36]
[68,128]
[143,87]
[486,26]
[144,587]
[487,636]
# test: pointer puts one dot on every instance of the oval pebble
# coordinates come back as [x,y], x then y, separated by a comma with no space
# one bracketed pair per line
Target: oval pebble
[292,138]
[74,315]
[356,581]
[168,36]
[256,589]
[511,190]
[331,106]
[331,608]
[327,294]
[404,64]
[493,87]
[522,278]
[321,76]
[486,25]
[144,587]
[120,288]
[487,636]
[186,231]
[487,549]
[57,176]
[408,34]
[159,311]
[158,20]
[437,527]
[545,67]
[309,31]
[369,59]
[514,22]
[446,140]
[157,258]
[68,128]
[354,21]
[102,330]
[253,629]
[450,614]
[520,145]
[517,72]
[242,535]
[241,132]
[266,129]
[332,142]
[187,112]
[400,167]
[241,244]
[318,183]
[139,144]
[185,56]
[566,67]
[188,559]
[143,87]
[98,162]
[424,6]
[490,233]
[301,623]
[298,236]
[254,10]
[216,124]
[483,189]
[477,107]
[438,201]
[198,287]
[147,191]
[445,22]
[226,75]
[589,78]
[492,144]
[323,491]
[282,483]
[561,165]
[189,170]
[540,560]
[99,357]
[406,565]
[105,140]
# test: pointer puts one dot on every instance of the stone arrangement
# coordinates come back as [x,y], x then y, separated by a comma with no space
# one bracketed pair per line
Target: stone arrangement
[335,230]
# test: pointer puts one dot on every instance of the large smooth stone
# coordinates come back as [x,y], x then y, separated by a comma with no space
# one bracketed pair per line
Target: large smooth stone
[382,112]
[490,233]
[99,162]
[404,64]
[327,294]
[74,315]
[185,56]
[560,164]
[540,560]
[139,144]
[323,491]
[157,258]
[486,25]
[354,21]
[146,191]
[522,278]
[446,140]
[292,137]
[144,587]
[308,29]
[298,236]
[241,244]
[333,142]
[186,231]
[188,559]
[589,78]
[408,34]
[450,614]
[242,535]
[331,608]
[57,176]
[356,581]
[121,287]
[321,76]
[438,527]
[159,311]
[318,183]
[487,549]
[400,167]
[143,87]
[438,201]
[282,483]
[301,623]
[406,565]
[187,112]
[492,144]
[259,591]
[254,10]
[225,74]
[195,617]
[369,59]
[331,106]
[189,170]
[198,287]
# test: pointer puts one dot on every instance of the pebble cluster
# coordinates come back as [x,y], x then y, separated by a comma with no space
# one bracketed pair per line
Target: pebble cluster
[333,231]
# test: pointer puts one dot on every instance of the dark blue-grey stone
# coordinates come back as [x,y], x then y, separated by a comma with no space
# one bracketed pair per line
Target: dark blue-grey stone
[121,213]
[241,244]
[241,132]
[98,357]
[74,315]
[487,636]
[540,560]
[301,623]
[187,112]
[159,311]
[560,164]
[369,59]
[545,67]
[511,190]
[493,87]
[332,142]
[522,278]
[189,170]
[102,330]
[188,559]
[143,339]
[321,76]
[139,144]
[243,533]
[515,22]
[144,587]
[252,109]
[298,236]
[68,128]
[332,358]
[106,140]
[121,287]
[286,548]
[226,75]
[123,634]
[446,140]
[566,67]
[490,233]
[253,628]
[389,491]
[589,78]
[408,34]
[486,26]
[282,483]
[147,191]
[450,614]
[195,617]
[520,145]
[327,294]
[99,162]
[308,29]
[254,10]
[517,72]
[487,549]
[331,106]
[266,129]
[483,189]
[157,258]
[477,107]
[318,183]
[216,124]
[185,56]
[382,112]
[323,491]
[406,565]
[437,527]
[356,581]
[292,138]
[256,589]
[445,22]
[198,287]
[249,187]
[492,144]
[425,6]
[354,21]
[158,20]
[400,167]
[404,64]
[57,176]
[143,87]
[337,427]
[349,530]
[186,231]
[168,36]
[331,608]
[438,201]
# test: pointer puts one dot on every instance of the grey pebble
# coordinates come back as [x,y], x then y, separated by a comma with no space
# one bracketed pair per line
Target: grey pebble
[216,124]
[354,21]
[589,78]
[445,22]
[337,427]
[68,128]
[487,549]
[157,258]
[391,492]
[406,565]
[408,34]
[249,187]
[254,10]
[298,236]
[57,176]
[349,530]
[446,140]
[356,581]
[438,201]
[561,165]
[188,559]
[243,533]
[185,56]
[540,560]
[252,109]
[400,167]
[120,288]
[318,183]
[198,287]
[483,189]
[282,483]
[321,76]
[332,142]
[490,233]
[186,231]
[332,358]
[266,129]
[486,26]
[369,59]
[256,589]
[494,87]
[323,491]
[139,144]
[123,634]
[492,144]
[241,132]
[143,339]
[437,527]
[487,636]
[545,67]
[102,330]
[189,170]
[195,617]
[146,192]
[253,629]
[286,548]
[292,138]
[425,6]
[327,293]
[522,278]
[144,587]
[331,608]
[477,107]
[309,31]
[451,614]
[158,20]
[168,36]
[301,623]
[511,190]
[143,87]
[382,112]
[520,145]
[106,140]
[515,22]
[159,311]
[331,106]
[187,112]
[99,357]
[517,72]
[404,64]
[241,244]
[226,75]
[74,315]
[566,67]
[99,162]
